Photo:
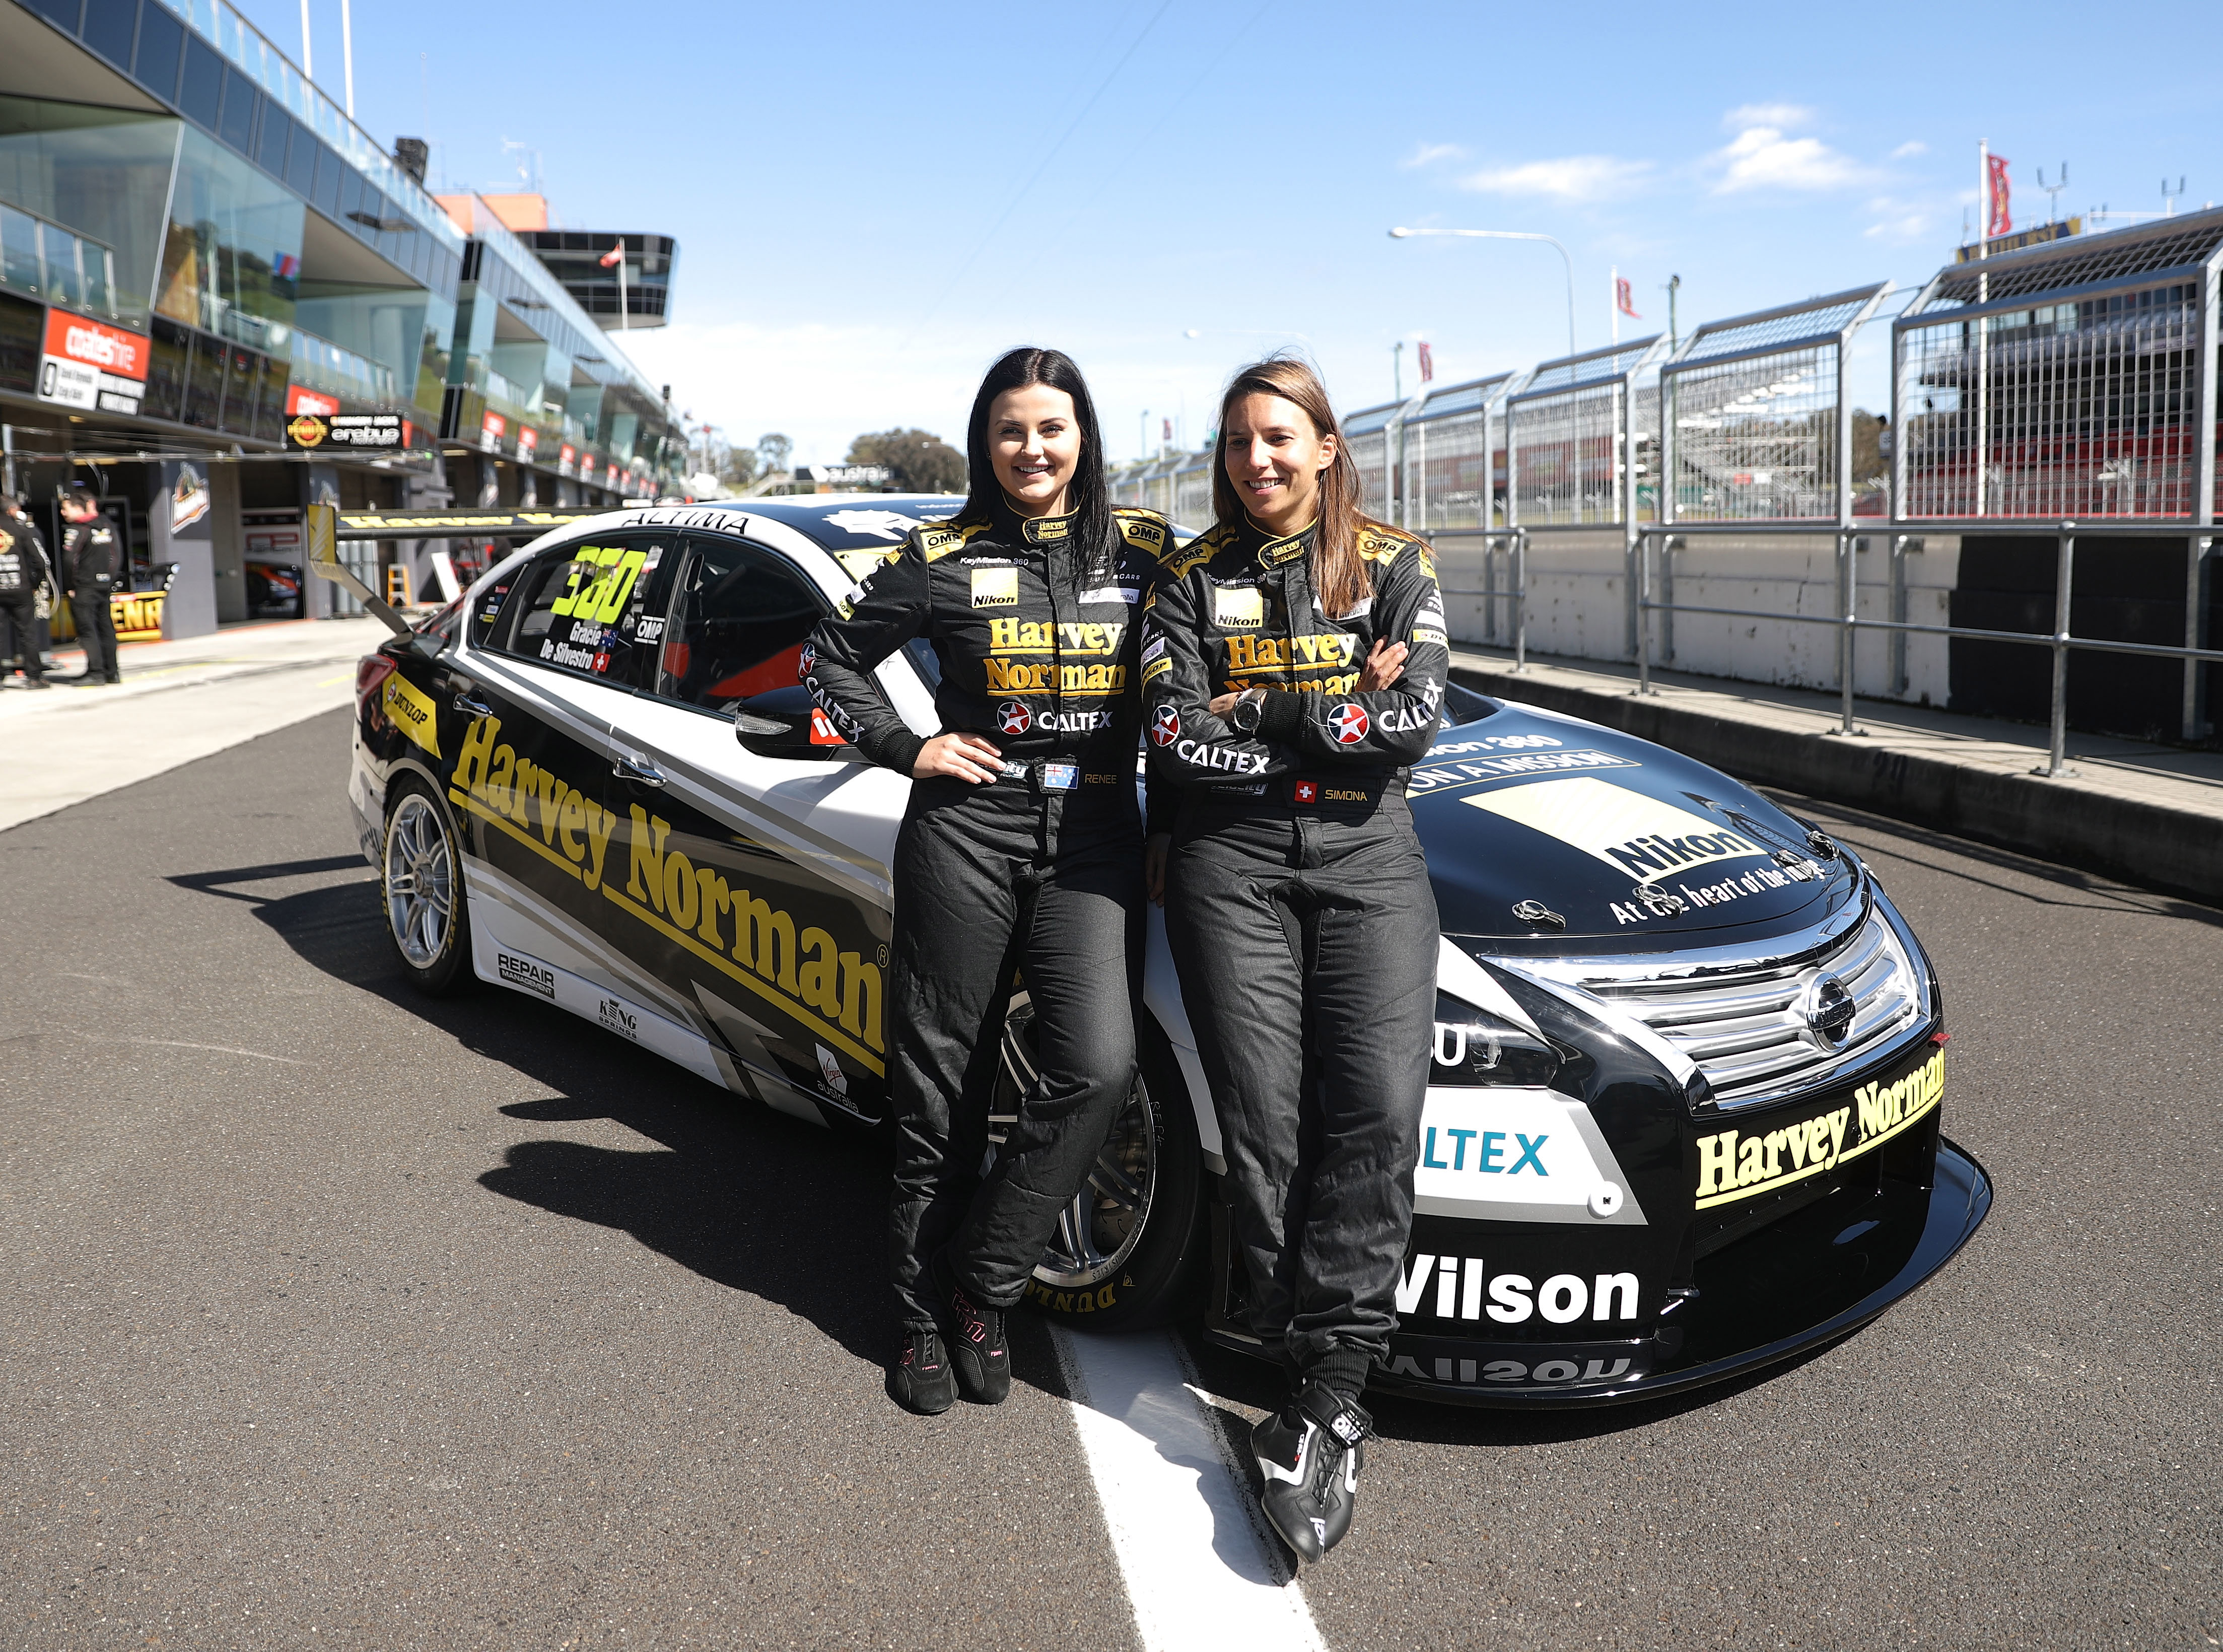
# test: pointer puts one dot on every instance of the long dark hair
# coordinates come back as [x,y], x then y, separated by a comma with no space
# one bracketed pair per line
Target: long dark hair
[1089,496]
[1339,574]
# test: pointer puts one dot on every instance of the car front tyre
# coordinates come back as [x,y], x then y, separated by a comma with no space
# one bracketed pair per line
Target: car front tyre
[1128,1251]
[421,887]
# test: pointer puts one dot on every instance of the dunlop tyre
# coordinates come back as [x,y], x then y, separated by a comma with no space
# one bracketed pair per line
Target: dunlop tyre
[1162,1276]
[415,816]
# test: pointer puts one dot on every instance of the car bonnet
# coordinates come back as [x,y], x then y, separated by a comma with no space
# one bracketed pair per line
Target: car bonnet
[1544,827]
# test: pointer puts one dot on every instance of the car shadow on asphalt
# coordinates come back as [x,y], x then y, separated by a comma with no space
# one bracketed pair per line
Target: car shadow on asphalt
[750,1199]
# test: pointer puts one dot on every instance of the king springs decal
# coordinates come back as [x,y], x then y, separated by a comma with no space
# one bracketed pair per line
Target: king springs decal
[1735,1164]
[801,969]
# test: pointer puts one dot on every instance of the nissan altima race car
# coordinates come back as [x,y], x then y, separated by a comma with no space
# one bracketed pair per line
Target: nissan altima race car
[1689,1059]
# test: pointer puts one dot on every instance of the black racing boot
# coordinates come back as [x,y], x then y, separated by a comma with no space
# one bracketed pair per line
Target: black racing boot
[1311,1453]
[921,1379]
[977,1349]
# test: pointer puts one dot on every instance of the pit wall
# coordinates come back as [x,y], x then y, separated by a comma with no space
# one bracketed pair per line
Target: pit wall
[1577,597]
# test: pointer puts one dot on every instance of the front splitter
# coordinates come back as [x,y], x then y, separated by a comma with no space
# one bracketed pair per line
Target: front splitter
[1788,1288]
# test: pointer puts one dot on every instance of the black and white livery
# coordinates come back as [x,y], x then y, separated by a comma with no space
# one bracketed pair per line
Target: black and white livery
[1687,1066]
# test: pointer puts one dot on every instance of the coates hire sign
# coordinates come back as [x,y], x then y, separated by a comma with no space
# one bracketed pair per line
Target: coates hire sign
[89,365]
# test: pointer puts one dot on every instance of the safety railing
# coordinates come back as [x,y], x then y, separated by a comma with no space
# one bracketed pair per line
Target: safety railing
[1515,541]
[1654,544]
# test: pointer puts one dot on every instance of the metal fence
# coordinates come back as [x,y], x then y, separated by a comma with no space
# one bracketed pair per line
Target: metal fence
[1453,467]
[1756,425]
[2074,379]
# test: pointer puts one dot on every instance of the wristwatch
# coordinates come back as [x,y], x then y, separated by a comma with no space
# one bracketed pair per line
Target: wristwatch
[1244,715]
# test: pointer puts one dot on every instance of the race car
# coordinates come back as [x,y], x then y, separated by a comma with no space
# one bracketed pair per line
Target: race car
[1682,1120]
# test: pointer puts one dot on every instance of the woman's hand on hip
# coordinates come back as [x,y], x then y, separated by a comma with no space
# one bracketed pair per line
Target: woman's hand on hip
[1384,665]
[965,757]
[1155,851]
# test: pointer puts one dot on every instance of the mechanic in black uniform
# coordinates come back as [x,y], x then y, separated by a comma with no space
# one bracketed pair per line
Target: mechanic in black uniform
[1021,849]
[92,566]
[1294,664]
[24,573]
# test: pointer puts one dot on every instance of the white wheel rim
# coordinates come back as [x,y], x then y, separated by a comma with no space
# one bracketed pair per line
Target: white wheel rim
[1099,1230]
[419,874]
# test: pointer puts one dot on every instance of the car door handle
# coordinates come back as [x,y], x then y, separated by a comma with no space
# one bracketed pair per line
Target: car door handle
[639,770]
[466,701]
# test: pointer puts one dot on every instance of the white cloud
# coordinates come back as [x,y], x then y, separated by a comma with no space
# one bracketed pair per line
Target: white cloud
[1899,230]
[1764,157]
[1782,117]
[1573,178]
[1911,147]
[1428,153]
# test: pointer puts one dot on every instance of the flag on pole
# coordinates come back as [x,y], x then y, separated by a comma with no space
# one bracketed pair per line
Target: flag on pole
[614,256]
[1428,363]
[1167,425]
[1998,220]
[1623,301]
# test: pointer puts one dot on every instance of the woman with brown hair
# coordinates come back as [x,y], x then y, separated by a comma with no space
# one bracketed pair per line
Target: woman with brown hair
[1294,662]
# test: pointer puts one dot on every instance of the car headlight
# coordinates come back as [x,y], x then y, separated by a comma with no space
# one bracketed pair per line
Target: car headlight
[1475,1047]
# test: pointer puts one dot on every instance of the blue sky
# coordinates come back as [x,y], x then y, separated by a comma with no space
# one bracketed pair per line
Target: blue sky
[872,202]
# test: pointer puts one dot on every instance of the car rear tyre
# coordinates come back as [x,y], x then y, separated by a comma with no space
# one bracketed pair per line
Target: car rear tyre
[421,886]
[1126,1252]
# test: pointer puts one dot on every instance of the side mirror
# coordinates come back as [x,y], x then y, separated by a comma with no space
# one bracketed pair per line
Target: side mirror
[784,723]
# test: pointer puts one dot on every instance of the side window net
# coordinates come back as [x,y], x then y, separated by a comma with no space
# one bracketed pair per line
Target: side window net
[738,622]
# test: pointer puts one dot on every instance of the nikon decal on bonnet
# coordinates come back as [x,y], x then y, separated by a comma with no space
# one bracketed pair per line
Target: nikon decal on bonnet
[1626,829]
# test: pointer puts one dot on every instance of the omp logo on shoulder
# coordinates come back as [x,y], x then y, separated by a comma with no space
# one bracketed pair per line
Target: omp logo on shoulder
[1626,829]
[1742,1164]
[412,711]
[525,972]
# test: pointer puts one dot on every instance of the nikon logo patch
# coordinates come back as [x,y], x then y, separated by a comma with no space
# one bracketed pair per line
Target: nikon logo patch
[1237,610]
[995,588]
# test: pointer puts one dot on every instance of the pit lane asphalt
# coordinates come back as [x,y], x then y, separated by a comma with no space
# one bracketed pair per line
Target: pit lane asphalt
[336,1317]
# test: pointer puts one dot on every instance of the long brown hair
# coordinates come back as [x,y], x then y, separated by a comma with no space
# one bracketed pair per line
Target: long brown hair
[1338,575]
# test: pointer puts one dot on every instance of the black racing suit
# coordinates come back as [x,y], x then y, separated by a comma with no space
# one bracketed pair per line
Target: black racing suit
[1040,872]
[92,564]
[22,571]
[1300,916]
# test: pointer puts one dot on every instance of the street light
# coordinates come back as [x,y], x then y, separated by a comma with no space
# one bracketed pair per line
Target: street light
[1512,235]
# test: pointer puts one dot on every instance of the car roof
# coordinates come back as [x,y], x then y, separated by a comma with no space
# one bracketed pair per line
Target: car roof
[853,522]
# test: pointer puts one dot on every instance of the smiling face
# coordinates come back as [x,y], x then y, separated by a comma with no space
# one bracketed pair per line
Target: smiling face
[1274,457]
[1034,442]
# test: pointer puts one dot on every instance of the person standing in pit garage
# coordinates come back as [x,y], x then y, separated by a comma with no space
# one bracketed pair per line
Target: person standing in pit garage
[1021,849]
[1295,661]
[24,573]
[92,566]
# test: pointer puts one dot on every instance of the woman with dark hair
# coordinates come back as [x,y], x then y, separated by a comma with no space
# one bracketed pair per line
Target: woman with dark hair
[1296,664]
[1021,849]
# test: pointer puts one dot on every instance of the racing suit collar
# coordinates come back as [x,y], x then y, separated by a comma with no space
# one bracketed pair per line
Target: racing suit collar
[1034,530]
[1273,551]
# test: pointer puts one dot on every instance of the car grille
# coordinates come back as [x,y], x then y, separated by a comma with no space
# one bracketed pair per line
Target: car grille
[1747,1031]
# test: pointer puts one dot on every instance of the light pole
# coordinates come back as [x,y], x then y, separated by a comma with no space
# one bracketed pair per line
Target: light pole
[1400,233]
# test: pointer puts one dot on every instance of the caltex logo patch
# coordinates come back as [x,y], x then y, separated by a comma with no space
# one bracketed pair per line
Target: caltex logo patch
[1166,728]
[1349,723]
[805,663]
[1013,718]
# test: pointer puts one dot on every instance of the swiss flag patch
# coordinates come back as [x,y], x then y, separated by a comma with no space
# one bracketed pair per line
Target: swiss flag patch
[1306,791]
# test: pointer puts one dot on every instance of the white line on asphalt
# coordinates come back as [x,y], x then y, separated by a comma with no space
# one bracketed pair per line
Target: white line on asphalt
[1198,1570]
